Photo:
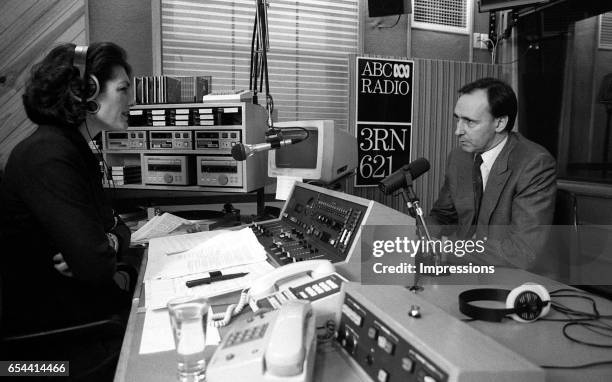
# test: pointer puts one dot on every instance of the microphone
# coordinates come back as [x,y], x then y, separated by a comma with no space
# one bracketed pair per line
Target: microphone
[397,180]
[241,151]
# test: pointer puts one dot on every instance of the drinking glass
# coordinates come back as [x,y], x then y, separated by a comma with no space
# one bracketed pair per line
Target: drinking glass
[188,320]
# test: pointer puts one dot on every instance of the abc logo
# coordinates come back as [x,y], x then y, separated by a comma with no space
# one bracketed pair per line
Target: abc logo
[401,71]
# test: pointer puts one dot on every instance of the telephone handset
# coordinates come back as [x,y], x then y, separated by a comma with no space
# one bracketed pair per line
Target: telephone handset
[312,280]
[273,346]
[286,358]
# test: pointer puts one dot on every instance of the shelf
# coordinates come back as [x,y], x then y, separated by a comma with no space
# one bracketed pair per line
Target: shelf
[140,186]
[201,105]
[168,152]
[207,168]
[170,127]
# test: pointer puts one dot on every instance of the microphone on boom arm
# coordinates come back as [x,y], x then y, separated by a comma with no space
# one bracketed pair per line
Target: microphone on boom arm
[241,151]
[397,180]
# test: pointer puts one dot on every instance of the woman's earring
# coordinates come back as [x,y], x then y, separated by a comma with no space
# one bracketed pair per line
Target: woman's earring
[93,107]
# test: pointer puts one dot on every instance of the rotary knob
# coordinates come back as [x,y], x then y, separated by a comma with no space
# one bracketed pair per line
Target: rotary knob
[223,180]
[168,178]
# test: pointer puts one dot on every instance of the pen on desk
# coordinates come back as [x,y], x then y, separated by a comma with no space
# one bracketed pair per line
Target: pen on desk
[210,280]
[176,252]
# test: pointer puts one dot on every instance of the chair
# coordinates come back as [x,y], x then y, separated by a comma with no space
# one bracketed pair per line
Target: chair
[92,348]
[565,237]
[567,214]
[566,209]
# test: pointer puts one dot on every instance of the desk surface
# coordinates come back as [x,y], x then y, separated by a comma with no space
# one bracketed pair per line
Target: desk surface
[541,342]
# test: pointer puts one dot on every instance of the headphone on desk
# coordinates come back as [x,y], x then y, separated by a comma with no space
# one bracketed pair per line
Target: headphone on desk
[525,303]
[87,87]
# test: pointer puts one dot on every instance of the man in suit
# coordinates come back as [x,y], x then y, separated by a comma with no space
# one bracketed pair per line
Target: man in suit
[499,186]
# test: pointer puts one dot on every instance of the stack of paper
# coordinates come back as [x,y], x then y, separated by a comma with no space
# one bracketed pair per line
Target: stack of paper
[173,260]
[225,251]
[159,225]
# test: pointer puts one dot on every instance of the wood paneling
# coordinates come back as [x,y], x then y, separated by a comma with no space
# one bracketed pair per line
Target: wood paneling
[28,30]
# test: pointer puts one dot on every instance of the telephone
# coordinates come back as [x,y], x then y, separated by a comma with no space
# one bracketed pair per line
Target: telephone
[313,280]
[279,345]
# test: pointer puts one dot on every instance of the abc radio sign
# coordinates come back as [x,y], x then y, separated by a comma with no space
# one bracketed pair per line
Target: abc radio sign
[385,78]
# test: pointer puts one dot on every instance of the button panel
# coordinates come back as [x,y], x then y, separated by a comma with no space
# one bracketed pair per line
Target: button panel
[308,291]
[382,354]
[249,334]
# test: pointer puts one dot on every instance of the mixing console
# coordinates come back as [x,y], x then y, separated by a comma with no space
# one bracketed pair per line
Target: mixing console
[313,225]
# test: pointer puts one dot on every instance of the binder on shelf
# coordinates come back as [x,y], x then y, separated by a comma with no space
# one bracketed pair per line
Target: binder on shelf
[128,174]
[193,88]
[156,89]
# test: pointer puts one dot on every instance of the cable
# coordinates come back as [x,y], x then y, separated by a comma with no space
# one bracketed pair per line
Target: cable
[587,325]
[494,44]
[522,55]
[591,321]
[391,26]
[576,294]
[581,366]
[330,330]
[219,320]
[297,127]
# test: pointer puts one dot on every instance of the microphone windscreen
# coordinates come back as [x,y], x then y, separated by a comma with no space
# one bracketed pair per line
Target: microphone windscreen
[239,152]
[397,180]
[418,167]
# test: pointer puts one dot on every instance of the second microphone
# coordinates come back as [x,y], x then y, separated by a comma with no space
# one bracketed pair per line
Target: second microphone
[397,180]
[241,151]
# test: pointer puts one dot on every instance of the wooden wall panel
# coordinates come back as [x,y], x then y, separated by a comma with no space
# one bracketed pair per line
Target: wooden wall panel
[28,30]
[436,83]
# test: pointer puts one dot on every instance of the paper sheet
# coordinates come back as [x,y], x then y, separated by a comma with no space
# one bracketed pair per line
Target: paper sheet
[284,184]
[162,249]
[157,333]
[158,226]
[159,291]
[174,260]
[229,249]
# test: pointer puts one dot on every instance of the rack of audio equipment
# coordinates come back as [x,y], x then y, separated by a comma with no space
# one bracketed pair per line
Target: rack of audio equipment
[188,147]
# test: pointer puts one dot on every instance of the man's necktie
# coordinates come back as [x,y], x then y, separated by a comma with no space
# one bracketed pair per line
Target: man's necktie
[477,183]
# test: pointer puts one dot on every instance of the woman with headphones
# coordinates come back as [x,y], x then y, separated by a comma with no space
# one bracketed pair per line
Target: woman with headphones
[61,239]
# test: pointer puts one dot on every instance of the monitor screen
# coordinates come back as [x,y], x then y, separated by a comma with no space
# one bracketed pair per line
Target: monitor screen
[301,155]
[327,154]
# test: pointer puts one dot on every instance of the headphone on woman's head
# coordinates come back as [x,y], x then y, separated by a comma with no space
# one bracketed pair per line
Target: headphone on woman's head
[525,303]
[87,88]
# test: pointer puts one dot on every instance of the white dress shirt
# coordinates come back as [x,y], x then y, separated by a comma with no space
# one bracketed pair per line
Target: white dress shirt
[488,159]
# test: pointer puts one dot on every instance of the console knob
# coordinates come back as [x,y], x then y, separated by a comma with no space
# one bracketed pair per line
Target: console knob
[168,178]
[223,180]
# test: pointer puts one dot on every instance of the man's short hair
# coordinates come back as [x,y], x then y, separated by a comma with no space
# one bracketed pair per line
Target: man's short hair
[501,97]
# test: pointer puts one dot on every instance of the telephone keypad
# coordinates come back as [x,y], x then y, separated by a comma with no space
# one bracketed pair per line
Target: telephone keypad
[318,289]
[312,291]
[246,335]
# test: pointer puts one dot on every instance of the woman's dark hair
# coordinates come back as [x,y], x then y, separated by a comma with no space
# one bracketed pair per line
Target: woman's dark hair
[47,98]
[501,97]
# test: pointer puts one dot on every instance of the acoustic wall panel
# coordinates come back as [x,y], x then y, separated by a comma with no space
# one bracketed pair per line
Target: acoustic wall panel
[30,28]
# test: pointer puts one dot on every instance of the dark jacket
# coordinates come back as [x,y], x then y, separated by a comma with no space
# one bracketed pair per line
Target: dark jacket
[517,205]
[52,201]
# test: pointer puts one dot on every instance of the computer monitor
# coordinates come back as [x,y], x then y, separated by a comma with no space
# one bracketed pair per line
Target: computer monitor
[327,154]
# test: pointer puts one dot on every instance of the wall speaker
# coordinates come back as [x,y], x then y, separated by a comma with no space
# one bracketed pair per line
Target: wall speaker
[378,8]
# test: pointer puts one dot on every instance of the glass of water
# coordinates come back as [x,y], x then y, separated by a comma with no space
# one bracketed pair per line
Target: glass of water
[188,320]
